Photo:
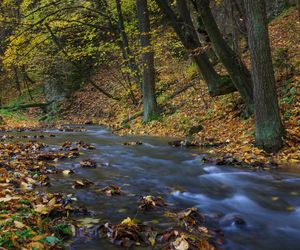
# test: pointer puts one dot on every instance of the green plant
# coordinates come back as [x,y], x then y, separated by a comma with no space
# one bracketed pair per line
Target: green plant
[282,65]
[192,70]
[5,240]
[209,114]
[62,230]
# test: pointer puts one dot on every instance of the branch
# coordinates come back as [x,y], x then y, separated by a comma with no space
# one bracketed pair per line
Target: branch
[103,91]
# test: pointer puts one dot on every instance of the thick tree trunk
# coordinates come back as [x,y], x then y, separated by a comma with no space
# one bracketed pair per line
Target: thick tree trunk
[269,129]
[127,53]
[189,39]
[238,73]
[148,75]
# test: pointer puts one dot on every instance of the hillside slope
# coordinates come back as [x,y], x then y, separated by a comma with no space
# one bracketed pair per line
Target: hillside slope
[220,117]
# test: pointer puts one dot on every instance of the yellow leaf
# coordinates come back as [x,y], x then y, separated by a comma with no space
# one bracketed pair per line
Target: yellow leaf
[42,209]
[52,202]
[25,186]
[19,224]
[36,245]
[129,222]
[67,172]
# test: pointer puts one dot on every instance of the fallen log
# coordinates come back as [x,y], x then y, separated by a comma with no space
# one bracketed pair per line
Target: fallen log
[42,105]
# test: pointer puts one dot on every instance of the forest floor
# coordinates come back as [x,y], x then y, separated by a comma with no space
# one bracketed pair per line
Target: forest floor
[220,118]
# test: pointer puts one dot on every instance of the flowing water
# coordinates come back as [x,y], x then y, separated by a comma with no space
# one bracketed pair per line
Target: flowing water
[268,202]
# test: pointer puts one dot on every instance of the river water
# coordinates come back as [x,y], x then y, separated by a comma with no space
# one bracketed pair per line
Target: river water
[268,201]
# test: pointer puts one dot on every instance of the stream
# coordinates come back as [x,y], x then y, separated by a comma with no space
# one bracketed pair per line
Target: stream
[268,202]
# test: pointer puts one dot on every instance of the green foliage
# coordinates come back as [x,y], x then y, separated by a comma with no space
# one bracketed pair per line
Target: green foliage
[16,116]
[209,114]
[35,92]
[53,112]
[290,94]
[155,117]
[192,70]
[5,240]
[126,125]
[62,230]
[161,99]
[225,79]
[51,240]
[52,33]
[282,64]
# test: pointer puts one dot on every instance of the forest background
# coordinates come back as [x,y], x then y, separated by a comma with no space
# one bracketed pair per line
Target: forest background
[82,62]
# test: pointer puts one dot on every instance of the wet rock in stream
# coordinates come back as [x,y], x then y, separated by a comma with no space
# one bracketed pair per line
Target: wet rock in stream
[232,220]
[133,143]
[88,164]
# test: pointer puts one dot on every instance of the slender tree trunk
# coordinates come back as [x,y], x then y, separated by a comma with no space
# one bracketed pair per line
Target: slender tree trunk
[189,39]
[149,100]
[26,79]
[269,129]
[17,80]
[127,53]
[238,73]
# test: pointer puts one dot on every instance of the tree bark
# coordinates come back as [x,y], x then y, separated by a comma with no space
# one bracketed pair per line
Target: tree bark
[238,73]
[148,75]
[269,128]
[187,34]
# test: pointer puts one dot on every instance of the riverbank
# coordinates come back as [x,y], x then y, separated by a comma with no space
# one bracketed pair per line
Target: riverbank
[192,114]
[195,116]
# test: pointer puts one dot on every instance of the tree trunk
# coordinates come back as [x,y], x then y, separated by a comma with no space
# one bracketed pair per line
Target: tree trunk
[269,129]
[26,80]
[189,39]
[148,75]
[298,5]
[17,80]
[127,53]
[238,73]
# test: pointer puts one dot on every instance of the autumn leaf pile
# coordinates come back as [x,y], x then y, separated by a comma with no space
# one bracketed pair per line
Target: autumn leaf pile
[29,218]
[221,117]
[187,233]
